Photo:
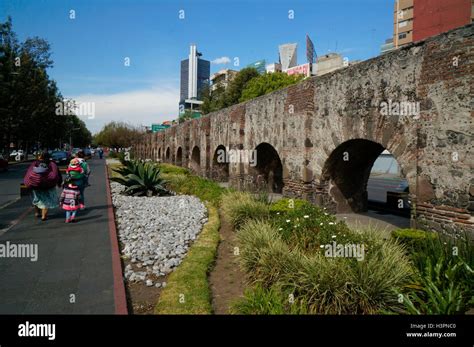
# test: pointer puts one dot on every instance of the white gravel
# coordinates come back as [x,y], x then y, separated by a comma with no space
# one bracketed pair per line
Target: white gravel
[155,232]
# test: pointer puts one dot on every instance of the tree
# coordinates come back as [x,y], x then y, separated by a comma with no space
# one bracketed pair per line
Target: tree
[117,135]
[219,98]
[268,83]
[28,96]
[237,85]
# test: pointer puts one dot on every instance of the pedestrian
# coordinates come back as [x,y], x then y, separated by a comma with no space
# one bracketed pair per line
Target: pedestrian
[42,177]
[101,152]
[82,178]
[76,174]
[70,200]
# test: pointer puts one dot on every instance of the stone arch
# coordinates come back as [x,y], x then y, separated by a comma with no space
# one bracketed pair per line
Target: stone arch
[268,171]
[167,154]
[220,164]
[159,154]
[346,173]
[179,156]
[195,162]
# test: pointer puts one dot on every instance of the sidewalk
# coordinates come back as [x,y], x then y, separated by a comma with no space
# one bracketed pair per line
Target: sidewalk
[75,261]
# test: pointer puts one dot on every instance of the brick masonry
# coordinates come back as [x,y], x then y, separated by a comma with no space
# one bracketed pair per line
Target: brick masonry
[328,130]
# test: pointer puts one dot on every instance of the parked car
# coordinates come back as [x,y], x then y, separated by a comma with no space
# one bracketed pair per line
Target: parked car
[87,153]
[386,181]
[60,157]
[3,163]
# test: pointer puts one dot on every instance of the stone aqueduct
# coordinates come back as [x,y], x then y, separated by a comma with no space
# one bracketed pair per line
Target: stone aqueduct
[318,139]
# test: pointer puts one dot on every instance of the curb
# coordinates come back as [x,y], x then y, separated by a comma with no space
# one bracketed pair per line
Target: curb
[119,286]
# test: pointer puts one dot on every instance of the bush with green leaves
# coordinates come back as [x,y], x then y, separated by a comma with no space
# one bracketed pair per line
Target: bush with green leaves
[413,238]
[239,207]
[308,226]
[263,301]
[327,285]
[188,184]
[444,280]
[140,178]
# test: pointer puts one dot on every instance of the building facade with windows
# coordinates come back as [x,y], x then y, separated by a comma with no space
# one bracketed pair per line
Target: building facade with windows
[195,74]
[222,78]
[416,20]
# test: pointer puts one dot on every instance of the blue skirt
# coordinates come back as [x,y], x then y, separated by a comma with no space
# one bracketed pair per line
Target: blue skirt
[45,198]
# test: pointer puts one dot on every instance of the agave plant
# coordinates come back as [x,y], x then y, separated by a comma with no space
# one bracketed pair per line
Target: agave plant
[140,178]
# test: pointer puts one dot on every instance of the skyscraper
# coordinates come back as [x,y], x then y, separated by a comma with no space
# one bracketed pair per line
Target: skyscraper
[195,73]
[288,55]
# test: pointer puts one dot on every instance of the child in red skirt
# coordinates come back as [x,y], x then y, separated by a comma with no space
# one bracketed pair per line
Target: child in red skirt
[69,200]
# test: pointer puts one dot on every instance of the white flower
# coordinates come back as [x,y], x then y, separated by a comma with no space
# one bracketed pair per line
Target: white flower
[321,223]
[288,221]
[322,246]
[306,216]
[333,236]
[279,213]
[325,214]
[280,228]
[331,223]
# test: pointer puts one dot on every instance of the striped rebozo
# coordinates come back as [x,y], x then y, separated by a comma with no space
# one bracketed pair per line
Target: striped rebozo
[42,176]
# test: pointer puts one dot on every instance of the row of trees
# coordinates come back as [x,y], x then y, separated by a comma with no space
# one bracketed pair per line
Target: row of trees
[247,84]
[117,135]
[29,98]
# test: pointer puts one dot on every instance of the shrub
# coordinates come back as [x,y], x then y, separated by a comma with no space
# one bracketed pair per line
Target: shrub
[239,207]
[326,285]
[413,238]
[204,189]
[308,226]
[140,178]
[173,169]
[285,205]
[444,281]
[259,300]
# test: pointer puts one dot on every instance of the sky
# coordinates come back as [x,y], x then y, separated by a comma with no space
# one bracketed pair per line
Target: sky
[90,51]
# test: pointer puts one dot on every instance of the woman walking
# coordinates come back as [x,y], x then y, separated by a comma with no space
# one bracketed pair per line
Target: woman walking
[42,177]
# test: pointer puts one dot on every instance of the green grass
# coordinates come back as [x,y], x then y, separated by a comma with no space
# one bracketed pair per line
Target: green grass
[187,290]
[322,285]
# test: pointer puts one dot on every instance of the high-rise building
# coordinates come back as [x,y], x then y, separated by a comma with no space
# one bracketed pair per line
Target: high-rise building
[222,78]
[288,56]
[415,20]
[195,73]
[259,65]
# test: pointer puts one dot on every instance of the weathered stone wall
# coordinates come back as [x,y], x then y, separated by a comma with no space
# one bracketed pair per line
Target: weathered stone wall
[328,130]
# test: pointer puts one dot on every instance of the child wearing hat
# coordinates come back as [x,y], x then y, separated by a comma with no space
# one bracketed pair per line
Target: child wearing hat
[69,200]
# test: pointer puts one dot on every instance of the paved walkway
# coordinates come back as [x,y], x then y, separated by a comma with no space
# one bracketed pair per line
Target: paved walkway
[75,261]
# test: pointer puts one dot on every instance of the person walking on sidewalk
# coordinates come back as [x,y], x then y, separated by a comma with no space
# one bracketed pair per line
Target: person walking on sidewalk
[75,174]
[69,200]
[42,177]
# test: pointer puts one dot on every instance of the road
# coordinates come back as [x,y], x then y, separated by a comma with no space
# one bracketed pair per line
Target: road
[10,182]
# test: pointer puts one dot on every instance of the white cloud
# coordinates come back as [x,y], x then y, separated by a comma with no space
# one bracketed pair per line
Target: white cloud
[139,107]
[221,61]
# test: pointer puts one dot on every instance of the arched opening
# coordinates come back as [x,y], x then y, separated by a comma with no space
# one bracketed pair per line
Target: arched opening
[268,168]
[159,154]
[167,155]
[179,157]
[362,176]
[220,165]
[195,163]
